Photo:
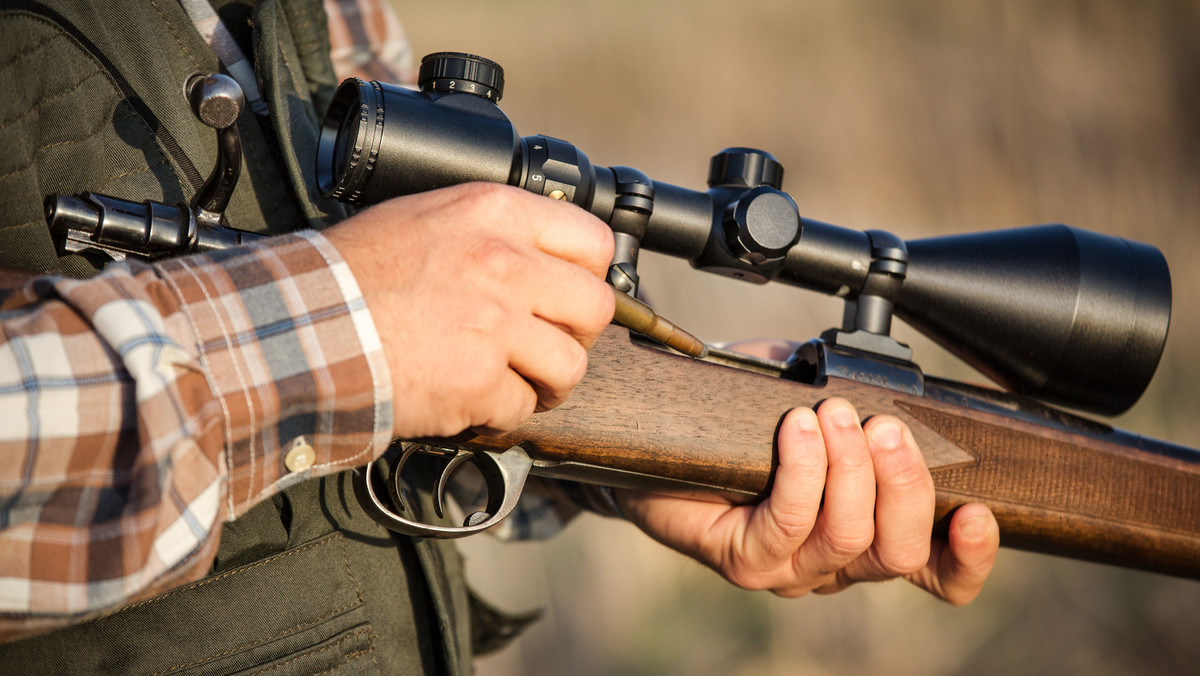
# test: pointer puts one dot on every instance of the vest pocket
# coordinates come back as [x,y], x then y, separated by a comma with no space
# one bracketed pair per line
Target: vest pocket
[350,652]
[298,612]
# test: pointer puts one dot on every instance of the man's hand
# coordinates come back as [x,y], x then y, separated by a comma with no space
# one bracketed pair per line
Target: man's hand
[486,298]
[850,503]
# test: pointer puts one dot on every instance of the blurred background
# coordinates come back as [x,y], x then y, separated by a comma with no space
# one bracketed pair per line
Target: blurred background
[920,118]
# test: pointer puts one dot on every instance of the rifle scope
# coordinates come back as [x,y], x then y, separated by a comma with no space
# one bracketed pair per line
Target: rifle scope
[1053,312]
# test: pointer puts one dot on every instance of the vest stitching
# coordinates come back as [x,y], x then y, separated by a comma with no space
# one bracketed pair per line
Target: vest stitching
[103,124]
[201,583]
[163,161]
[358,591]
[333,646]
[22,170]
[14,228]
[118,82]
[175,35]
[72,90]
[349,573]
[245,646]
[31,50]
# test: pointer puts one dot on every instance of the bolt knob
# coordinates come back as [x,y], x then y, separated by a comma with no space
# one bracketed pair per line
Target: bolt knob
[216,99]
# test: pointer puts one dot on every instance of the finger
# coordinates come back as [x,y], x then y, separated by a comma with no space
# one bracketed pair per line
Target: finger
[751,546]
[959,565]
[903,504]
[568,232]
[846,525]
[783,522]
[551,361]
[577,302]
[506,406]
[558,228]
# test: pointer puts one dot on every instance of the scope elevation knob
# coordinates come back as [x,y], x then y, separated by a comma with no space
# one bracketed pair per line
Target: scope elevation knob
[449,72]
[744,168]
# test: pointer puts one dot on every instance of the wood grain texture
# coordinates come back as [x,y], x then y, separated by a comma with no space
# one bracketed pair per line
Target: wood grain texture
[644,418]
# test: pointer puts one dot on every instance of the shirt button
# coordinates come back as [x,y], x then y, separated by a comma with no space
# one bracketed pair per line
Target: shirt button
[300,457]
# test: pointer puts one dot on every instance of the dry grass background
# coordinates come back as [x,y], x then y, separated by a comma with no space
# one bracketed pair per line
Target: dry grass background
[916,117]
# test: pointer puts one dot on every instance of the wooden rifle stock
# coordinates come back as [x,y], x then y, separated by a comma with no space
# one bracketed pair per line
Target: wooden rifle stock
[644,418]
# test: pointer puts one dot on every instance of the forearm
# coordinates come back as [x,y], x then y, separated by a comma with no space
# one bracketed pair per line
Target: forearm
[153,403]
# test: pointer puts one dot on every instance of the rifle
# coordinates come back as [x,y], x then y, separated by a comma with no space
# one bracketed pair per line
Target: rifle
[1036,309]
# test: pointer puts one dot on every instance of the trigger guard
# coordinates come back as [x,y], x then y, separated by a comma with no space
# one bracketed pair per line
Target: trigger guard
[506,471]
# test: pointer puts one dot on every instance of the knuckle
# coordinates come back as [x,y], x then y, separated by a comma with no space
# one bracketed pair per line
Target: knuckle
[905,474]
[600,300]
[849,543]
[575,365]
[791,527]
[903,560]
[746,579]
[510,414]
[792,592]
[853,463]
[493,259]
[483,195]
[603,245]
[741,570]
[959,596]
[562,380]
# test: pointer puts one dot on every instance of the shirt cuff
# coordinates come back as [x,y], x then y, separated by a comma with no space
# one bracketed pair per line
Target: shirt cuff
[293,358]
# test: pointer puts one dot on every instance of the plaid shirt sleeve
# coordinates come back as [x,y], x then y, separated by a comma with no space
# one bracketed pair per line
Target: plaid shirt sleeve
[143,407]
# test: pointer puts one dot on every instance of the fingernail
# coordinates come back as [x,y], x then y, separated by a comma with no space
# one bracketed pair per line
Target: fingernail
[842,416]
[886,436]
[973,528]
[805,420]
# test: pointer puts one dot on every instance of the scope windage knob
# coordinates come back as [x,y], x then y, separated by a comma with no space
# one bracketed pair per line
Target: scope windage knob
[762,225]
[448,72]
[744,168]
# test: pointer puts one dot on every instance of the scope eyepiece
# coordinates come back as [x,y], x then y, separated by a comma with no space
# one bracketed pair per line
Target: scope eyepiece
[349,141]
[380,140]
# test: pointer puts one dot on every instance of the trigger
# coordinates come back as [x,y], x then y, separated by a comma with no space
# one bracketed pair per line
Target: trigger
[439,505]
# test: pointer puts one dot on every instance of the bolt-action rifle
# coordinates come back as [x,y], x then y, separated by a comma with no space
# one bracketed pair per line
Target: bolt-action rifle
[1057,316]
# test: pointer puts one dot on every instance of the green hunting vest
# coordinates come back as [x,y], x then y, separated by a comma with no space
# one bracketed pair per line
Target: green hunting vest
[91,100]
